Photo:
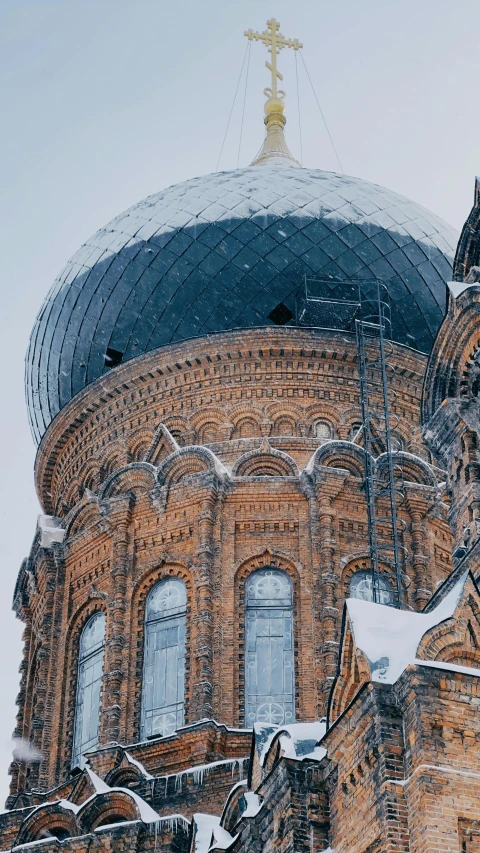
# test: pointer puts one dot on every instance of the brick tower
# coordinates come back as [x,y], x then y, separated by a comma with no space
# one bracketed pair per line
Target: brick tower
[209,661]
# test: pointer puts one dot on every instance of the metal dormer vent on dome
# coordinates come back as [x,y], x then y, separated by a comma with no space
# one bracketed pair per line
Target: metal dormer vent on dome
[274,151]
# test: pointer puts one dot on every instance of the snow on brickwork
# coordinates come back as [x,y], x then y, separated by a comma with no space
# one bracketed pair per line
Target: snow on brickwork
[390,638]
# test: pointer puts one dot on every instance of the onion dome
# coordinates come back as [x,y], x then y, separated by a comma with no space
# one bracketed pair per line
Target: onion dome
[226,251]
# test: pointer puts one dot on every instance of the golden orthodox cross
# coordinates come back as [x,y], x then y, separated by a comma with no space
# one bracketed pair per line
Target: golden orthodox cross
[275,41]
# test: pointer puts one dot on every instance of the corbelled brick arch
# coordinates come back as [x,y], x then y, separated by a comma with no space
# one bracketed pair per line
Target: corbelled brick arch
[467,256]
[265,462]
[139,445]
[457,640]
[51,820]
[82,516]
[339,454]
[136,477]
[353,672]
[456,348]
[107,808]
[451,413]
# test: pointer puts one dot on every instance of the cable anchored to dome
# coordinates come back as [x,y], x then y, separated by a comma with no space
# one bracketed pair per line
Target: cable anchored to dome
[249,46]
[321,112]
[298,108]
[233,105]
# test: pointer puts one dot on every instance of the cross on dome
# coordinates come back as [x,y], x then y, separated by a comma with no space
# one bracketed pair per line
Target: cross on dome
[275,149]
[275,41]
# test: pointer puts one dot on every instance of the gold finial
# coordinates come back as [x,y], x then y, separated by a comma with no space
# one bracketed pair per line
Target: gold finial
[274,145]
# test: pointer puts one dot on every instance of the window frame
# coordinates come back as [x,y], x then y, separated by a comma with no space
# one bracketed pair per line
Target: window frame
[86,659]
[287,609]
[382,580]
[174,617]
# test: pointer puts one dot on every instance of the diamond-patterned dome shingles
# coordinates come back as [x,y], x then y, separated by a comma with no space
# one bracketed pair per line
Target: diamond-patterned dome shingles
[221,252]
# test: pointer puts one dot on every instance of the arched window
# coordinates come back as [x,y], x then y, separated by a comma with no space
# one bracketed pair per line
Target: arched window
[89,686]
[269,676]
[361,586]
[322,430]
[164,659]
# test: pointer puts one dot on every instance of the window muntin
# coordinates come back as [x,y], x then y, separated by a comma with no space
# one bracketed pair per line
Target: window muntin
[269,671]
[361,586]
[163,695]
[89,687]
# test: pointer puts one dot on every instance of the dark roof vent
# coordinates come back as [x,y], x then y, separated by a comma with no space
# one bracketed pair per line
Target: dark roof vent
[112,357]
[280,315]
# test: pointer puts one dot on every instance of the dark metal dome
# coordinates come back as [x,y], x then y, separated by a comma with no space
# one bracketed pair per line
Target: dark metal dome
[223,252]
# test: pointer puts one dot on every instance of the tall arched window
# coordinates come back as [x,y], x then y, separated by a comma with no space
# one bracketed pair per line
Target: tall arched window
[163,697]
[269,677]
[361,586]
[89,688]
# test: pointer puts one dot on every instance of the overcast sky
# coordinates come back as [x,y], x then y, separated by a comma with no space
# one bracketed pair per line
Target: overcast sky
[106,101]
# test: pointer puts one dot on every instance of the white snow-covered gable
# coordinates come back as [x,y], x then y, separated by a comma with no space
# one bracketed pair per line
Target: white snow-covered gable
[147,814]
[458,287]
[50,532]
[209,835]
[389,638]
[298,740]
[133,761]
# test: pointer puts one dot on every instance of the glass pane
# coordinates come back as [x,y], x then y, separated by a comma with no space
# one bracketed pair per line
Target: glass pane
[93,634]
[164,663]
[269,586]
[361,586]
[166,598]
[269,648]
[89,686]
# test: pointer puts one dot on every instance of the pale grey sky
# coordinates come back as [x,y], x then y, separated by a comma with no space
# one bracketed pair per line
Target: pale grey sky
[106,101]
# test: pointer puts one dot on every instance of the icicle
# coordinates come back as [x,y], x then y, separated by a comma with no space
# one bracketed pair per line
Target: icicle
[241,769]
[173,823]
[199,773]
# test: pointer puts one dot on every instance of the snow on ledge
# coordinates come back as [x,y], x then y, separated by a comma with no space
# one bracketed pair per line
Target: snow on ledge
[298,740]
[254,804]
[50,532]
[458,287]
[147,814]
[448,667]
[209,835]
[138,765]
[389,637]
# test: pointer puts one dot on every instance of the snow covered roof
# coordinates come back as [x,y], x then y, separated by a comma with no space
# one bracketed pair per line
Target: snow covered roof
[298,740]
[458,287]
[209,835]
[133,761]
[389,638]
[254,804]
[147,814]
